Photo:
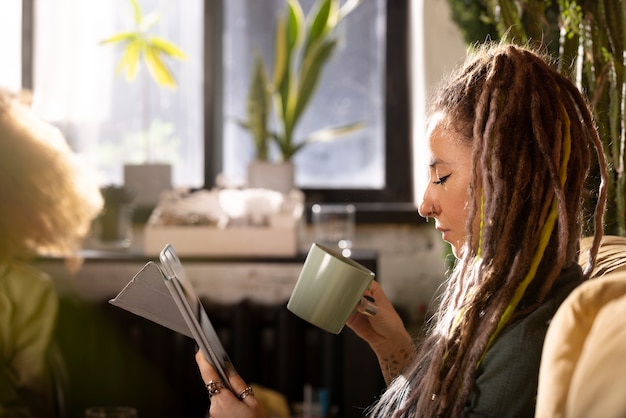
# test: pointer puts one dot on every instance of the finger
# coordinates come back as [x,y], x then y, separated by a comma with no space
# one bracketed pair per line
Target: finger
[375,290]
[367,306]
[241,390]
[207,371]
[211,378]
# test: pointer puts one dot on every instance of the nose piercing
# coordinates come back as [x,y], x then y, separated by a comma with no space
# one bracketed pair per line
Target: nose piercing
[429,214]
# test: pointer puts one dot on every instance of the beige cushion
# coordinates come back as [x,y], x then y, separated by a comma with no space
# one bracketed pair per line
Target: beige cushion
[583,367]
[611,255]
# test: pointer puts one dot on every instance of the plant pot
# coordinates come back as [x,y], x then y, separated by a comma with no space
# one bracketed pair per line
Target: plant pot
[114,227]
[147,182]
[273,176]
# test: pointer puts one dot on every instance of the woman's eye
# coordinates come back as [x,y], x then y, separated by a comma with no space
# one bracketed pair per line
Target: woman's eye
[441,180]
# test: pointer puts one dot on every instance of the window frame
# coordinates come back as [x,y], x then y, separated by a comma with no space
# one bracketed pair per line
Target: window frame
[394,203]
[28,38]
[398,191]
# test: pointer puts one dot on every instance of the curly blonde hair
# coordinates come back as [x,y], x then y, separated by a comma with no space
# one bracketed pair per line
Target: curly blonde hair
[48,196]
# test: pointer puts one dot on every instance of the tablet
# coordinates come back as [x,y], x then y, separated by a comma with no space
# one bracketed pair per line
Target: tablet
[194,315]
[164,295]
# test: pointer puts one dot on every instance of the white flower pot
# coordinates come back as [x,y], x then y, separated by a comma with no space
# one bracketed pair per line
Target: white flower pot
[272,176]
[147,182]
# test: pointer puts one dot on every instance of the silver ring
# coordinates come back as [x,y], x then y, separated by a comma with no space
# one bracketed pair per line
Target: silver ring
[367,306]
[214,386]
[246,392]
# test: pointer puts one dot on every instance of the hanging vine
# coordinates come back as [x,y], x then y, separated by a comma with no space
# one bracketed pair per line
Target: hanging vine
[586,39]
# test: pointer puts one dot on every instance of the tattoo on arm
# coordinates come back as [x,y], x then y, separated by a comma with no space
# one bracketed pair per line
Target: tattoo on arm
[395,363]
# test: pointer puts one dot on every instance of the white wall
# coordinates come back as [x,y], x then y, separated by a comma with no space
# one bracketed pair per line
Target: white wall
[436,48]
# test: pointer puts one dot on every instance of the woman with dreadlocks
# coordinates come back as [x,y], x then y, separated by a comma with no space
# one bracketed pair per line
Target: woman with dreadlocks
[510,143]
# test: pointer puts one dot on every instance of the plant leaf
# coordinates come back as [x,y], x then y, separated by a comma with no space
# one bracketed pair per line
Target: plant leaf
[290,98]
[243,123]
[279,110]
[130,59]
[300,56]
[138,42]
[331,133]
[290,151]
[148,21]
[323,135]
[137,15]
[347,8]
[166,47]
[280,52]
[157,68]
[295,24]
[258,106]
[288,37]
[310,74]
[119,38]
[323,22]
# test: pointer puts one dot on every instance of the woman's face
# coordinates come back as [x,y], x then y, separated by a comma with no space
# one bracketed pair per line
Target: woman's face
[445,197]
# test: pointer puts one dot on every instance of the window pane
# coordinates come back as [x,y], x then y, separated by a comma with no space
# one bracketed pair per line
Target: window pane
[11,44]
[105,117]
[351,89]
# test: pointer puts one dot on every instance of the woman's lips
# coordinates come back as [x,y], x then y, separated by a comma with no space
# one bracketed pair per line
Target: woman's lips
[444,232]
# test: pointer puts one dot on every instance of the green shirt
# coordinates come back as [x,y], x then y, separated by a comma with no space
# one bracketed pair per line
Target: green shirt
[507,378]
[28,310]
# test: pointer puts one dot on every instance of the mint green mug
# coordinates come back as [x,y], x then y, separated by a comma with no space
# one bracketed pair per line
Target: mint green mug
[330,288]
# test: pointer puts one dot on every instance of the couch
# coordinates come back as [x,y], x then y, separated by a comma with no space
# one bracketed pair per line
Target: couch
[583,367]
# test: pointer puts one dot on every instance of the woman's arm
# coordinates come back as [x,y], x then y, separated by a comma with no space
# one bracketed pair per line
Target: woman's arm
[386,335]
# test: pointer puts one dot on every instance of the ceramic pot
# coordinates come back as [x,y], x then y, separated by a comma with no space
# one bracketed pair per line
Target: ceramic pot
[147,182]
[272,176]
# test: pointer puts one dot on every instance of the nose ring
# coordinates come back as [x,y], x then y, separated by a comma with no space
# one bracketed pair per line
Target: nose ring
[430,213]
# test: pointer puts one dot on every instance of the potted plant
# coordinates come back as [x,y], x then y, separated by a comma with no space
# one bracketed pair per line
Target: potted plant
[140,46]
[114,225]
[303,46]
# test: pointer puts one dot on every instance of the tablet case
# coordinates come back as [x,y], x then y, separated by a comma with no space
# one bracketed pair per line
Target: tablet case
[164,295]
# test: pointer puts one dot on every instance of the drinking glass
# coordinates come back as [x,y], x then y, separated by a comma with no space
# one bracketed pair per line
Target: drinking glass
[333,225]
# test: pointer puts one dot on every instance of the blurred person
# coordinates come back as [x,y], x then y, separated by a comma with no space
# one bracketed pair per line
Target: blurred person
[48,200]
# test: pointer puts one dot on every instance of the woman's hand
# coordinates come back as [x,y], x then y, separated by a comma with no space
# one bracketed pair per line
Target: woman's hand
[225,404]
[385,333]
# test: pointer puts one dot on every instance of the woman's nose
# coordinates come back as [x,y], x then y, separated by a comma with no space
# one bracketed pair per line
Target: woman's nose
[425,208]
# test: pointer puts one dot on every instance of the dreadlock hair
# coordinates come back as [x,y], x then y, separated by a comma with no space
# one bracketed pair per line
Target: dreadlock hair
[530,132]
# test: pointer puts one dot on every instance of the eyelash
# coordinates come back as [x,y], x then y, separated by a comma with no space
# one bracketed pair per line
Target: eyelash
[441,180]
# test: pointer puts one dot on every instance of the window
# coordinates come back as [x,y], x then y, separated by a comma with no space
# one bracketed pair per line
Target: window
[351,89]
[366,79]
[11,43]
[75,87]
[104,117]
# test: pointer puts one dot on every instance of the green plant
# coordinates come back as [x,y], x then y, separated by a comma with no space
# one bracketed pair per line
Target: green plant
[140,45]
[258,109]
[116,195]
[303,46]
[587,40]
[472,18]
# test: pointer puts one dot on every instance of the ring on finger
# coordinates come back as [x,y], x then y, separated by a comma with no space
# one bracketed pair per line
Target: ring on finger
[214,386]
[246,392]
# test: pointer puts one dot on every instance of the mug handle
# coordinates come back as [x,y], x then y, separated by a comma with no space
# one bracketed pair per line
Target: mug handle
[367,306]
